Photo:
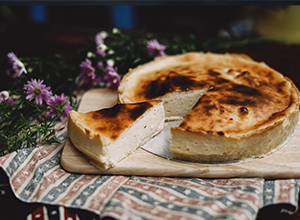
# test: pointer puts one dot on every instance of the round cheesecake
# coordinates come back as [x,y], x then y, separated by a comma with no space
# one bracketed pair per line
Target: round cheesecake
[233,108]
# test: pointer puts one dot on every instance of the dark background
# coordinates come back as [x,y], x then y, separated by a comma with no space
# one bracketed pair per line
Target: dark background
[40,29]
[32,30]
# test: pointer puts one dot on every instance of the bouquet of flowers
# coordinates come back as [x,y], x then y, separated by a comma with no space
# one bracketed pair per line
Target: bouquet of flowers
[39,92]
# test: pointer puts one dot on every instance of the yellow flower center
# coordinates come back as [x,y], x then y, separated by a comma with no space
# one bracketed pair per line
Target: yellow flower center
[156,51]
[37,91]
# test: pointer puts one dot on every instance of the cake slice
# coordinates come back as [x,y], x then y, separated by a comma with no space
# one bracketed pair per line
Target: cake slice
[108,135]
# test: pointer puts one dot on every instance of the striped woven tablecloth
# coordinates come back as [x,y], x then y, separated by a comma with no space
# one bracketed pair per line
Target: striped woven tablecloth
[36,176]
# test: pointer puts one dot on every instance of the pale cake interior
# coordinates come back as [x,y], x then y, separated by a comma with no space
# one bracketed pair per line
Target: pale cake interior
[179,104]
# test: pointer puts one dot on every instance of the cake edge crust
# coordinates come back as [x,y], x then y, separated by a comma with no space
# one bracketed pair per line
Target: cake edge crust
[232,150]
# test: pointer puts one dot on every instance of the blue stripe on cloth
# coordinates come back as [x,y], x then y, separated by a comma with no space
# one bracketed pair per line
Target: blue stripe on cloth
[18,160]
[89,190]
[63,136]
[23,154]
[229,188]
[194,194]
[115,204]
[268,192]
[147,195]
[38,176]
[64,186]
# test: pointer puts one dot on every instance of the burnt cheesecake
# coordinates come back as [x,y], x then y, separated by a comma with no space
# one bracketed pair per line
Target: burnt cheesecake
[234,108]
[108,135]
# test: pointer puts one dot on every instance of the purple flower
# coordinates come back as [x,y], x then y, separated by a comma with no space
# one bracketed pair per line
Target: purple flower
[110,68]
[88,71]
[10,101]
[17,66]
[4,96]
[59,104]
[98,39]
[155,48]
[100,46]
[35,89]
[112,77]
[100,65]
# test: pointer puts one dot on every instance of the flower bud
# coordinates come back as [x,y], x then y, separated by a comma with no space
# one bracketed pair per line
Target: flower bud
[3,96]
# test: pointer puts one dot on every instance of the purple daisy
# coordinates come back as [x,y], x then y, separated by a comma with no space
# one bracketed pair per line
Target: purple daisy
[112,77]
[100,46]
[156,48]
[18,67]
[35,89]
[59,104]
[87,71]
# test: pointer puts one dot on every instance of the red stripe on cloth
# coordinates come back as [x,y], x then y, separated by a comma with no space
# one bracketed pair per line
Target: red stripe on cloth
[241,214]
[73,190]
[221,182]
[61,125]
[6,157]
[170,195]
[119,214]
[216,209]
[251,198]
[49,180]
[285,188]
[145,209]
[164,193]
[183,183]
[20,177]
[105,192]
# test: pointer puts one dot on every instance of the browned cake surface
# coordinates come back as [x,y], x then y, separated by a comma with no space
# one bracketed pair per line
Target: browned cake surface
[243,94]
[179,78]
[111,122]
[252,97]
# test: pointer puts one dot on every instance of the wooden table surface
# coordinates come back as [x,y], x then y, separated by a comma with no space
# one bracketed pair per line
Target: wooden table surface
[283,57]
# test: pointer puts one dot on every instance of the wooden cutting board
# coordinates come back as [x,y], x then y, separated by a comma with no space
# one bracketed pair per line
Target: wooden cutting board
[284,163]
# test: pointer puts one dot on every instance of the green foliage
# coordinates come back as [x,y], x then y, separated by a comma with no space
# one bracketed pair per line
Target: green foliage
[25,125]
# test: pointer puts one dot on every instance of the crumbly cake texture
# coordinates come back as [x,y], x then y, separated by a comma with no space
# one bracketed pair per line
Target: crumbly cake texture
[109,135]
[234,107]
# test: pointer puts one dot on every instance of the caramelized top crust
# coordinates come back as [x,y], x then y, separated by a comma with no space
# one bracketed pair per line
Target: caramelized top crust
[244,96]
[111,122]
